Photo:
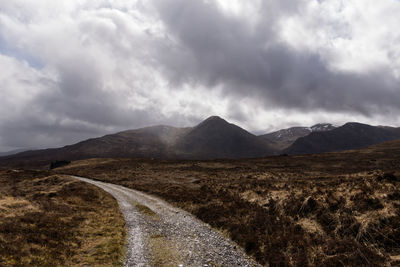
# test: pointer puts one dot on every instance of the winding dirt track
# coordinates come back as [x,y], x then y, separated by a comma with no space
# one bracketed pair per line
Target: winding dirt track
[162,235]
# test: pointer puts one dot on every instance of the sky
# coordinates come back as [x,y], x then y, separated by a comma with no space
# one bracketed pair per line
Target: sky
[75,69]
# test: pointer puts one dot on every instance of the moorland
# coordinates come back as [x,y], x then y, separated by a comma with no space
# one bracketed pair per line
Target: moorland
[53,220]
[330,209]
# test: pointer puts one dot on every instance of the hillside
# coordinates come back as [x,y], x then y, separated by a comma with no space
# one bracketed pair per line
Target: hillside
[12,152]
[213,138]
[349,136]
[216,138]
[284,138]
[150,142]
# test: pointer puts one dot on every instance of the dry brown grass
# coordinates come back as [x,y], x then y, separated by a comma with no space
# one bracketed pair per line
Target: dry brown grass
[335,209]
[164,252]
[50,220]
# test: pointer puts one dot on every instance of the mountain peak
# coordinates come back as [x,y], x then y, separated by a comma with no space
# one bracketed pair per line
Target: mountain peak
[352,135]
[322,127]
[212,122]
[217,138]
[214,118]
[284,138]
[355,124]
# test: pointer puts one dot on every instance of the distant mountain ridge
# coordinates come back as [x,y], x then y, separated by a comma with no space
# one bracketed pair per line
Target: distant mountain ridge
[351,135]
[12,152]
[214,138]
[149,142]
[282,139]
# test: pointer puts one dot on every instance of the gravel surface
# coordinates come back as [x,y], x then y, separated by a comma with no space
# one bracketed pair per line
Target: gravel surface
[162,235]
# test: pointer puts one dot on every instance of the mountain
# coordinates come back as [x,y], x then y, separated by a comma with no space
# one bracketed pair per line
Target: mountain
[12,152]
[322,127]
[216,138]
[153,141]
[284,138]
[349,136]
[149,142]
[213,138]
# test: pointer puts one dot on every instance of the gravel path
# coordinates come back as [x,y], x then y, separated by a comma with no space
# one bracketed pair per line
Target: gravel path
[162,235]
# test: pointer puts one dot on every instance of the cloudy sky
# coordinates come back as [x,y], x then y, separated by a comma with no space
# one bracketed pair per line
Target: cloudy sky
[74,69]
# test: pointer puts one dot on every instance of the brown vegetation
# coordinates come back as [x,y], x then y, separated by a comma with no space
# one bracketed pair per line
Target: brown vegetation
[335,209]
[50,220]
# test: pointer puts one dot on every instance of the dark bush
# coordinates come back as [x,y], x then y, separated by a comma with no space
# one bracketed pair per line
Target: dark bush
[388,176]
[59,163]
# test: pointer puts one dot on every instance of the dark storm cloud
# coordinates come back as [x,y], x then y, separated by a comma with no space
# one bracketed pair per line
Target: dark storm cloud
[89,86]
[73,108]
[217,49]
[94,67]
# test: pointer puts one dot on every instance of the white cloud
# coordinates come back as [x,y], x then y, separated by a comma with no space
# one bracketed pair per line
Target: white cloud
[98,72]
[20,83]
[355,35]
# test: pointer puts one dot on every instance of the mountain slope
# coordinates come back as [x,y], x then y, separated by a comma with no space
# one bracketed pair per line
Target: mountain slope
[12,152]
[147,142]
[213,138]
[216,138]
[284,138]
[349,136]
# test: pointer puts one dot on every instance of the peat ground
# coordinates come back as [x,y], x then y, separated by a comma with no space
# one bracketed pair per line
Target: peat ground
[51,220]
[333,209]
